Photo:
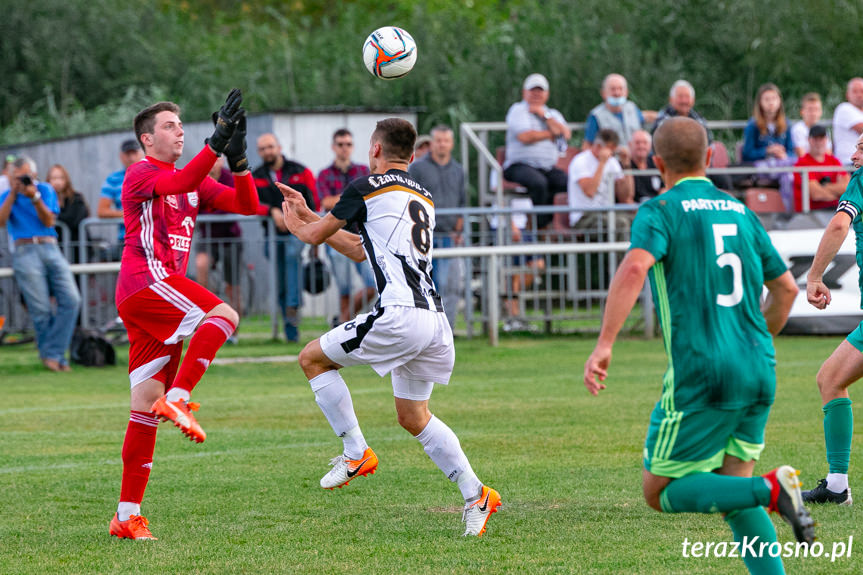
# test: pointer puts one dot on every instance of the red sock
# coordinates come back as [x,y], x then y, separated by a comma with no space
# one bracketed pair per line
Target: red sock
[212,335]
[138,455]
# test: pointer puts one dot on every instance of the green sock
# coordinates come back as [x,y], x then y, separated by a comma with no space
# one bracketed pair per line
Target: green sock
[751,523]
[838,428]
[714,493]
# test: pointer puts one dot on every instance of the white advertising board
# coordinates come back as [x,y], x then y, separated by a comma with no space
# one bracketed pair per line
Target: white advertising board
[843,314]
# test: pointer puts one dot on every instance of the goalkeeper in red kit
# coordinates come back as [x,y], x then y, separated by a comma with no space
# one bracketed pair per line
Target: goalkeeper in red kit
[158,304]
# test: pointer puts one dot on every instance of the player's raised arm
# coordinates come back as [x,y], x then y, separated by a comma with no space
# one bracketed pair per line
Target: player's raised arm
[817,293]
[190,177]
[243,197]
[310,227]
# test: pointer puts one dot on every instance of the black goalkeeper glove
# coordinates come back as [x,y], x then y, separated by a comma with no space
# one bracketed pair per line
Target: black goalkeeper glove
[235,151]
[226,121]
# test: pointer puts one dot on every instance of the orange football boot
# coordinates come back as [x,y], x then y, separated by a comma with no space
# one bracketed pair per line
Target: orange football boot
[180,412]
[476,514]
[345,470]
[134,528]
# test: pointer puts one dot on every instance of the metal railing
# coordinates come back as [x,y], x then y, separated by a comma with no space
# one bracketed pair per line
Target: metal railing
[568,289]
[567,294]
[491,189]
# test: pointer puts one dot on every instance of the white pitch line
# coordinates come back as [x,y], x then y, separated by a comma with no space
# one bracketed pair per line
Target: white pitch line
[265,359]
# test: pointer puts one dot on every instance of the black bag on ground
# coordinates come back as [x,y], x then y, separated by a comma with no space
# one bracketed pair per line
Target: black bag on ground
[91,349]
[316,276]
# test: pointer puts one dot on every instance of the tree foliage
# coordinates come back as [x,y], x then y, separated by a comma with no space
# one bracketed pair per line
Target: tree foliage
[81,66]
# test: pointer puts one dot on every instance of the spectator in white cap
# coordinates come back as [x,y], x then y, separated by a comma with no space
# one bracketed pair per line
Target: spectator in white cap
[536,136]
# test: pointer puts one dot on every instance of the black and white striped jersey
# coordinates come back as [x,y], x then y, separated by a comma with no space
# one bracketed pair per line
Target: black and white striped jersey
[395,216]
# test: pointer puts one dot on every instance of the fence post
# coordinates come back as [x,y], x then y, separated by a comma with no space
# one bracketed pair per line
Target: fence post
[493,303]
[467,228]
[85,278]
[612,229]
[274,278]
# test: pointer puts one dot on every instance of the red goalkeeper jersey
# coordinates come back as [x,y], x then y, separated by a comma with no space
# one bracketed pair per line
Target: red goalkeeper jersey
[160,206]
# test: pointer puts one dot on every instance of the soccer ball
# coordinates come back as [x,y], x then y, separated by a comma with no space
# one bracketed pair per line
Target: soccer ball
[389,53]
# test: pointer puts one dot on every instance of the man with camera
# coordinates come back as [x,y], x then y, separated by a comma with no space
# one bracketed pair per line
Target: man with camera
[28,209]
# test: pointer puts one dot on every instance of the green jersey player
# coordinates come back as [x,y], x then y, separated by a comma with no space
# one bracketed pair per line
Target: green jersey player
[708,257]
[845,365]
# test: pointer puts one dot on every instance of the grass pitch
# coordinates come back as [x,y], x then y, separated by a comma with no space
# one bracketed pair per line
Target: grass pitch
[568,467]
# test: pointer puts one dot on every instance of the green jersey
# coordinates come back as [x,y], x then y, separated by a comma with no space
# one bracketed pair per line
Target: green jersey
[851,203]
[712,259]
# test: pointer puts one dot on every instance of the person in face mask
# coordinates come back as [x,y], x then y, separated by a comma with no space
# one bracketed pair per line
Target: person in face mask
[615,112]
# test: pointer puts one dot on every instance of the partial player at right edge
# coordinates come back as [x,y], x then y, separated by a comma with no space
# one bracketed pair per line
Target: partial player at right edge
[845,364]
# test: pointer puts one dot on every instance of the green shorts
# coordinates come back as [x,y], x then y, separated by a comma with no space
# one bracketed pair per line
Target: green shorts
[855,338]
[682,442]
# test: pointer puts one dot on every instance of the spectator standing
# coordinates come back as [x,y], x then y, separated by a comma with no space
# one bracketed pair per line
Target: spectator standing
[848,121]
[615,113]
[637,156]
[221,241]
[810,114]
[681,102]
[277,168]
[73,208]
[766,135]
[110,205]
[29,210]
[536,136]
[441,175]
[332,180]
[595,180]
[825,188]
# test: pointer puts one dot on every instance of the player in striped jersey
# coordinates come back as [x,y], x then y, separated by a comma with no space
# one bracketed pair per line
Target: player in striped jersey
[159,305]
[406,334]
[708,258]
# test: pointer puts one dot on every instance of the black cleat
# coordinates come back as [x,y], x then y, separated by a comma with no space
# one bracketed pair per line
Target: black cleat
[823,495]
[787,501]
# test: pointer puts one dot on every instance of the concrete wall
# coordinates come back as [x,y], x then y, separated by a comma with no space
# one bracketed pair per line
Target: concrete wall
[305,137]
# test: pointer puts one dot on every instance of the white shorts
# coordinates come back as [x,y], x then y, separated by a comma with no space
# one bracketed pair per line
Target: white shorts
[414,344]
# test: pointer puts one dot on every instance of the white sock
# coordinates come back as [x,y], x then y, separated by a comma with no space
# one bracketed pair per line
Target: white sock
[468,482]
[355,443]
[442,446]
[837,482]
[178,393]
[334,399]
[126,509]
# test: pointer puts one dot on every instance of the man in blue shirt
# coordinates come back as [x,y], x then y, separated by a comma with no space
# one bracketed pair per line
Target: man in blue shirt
[29,209]
[109,197]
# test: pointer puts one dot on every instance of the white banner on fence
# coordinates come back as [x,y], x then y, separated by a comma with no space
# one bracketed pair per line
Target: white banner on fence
[798,248]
